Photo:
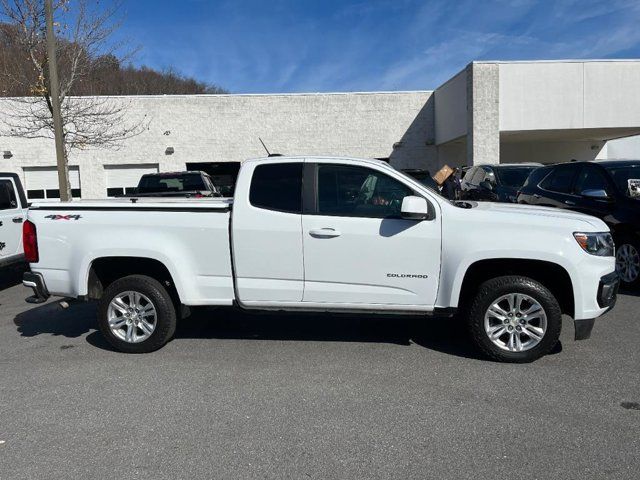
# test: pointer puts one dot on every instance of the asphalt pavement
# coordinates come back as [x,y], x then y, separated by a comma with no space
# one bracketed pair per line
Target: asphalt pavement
[246,396]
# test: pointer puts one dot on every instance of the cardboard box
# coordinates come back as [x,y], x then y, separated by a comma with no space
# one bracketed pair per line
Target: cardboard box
[442,174]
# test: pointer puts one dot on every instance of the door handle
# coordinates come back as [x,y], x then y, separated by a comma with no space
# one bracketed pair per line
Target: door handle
[535,195]
[569,202]
[17,220]
[324,233]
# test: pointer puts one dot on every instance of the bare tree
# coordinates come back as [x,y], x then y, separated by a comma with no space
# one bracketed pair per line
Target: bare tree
[84,29]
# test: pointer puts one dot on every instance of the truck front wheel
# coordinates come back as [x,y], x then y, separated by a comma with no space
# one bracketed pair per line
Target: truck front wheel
[136,314]
[514,319]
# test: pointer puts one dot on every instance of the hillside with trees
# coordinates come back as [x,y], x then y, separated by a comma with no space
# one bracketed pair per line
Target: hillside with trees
[103,75]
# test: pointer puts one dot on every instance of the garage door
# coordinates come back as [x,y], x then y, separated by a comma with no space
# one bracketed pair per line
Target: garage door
[42,183]
[123,179]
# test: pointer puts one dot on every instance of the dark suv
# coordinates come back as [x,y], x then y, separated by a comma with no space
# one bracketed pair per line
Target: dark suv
[608,189]
[495,183]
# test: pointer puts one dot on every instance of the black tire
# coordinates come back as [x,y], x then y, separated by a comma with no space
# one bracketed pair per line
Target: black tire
[635,245]
[493,289]
[165,319]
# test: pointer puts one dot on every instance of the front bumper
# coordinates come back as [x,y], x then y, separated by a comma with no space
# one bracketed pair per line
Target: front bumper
[607,295]
[36,283]
[608,290]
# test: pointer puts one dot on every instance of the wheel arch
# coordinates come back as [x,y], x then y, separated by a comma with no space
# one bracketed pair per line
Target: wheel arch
[103,271]
[552,275]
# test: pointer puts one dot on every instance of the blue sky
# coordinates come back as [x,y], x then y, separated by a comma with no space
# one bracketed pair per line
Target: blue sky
[319,46]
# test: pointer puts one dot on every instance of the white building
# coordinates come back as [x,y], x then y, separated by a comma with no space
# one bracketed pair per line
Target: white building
[490,112]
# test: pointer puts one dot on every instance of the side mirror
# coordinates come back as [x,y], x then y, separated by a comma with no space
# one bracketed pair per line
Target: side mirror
[414,208]
[486,185]
[596,194]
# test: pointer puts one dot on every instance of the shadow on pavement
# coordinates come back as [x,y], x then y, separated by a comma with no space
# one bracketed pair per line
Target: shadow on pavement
[440,334]
[12,275]
[446,335]
[629,292]
[52,319]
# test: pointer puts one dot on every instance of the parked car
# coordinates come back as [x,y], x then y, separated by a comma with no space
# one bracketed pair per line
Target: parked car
[605,189]
[13,211]
[176,184]
[331,235]
[496,183]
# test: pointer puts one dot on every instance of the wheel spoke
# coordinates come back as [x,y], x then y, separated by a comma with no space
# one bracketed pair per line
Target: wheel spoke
[134,299]
[533,332]
[146,327]
[496,332]
[497,311]
[130,333]
[518,341]
[117,322]
[512,300]
[119,305]
[148,307]
[518,302]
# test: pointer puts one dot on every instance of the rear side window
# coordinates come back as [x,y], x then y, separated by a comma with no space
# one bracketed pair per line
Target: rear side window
[590,178]
[559,180]
[7,196]
[277,186]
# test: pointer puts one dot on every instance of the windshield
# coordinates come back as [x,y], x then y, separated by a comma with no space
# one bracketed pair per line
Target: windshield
[171,183]
[513,177]
[627,179]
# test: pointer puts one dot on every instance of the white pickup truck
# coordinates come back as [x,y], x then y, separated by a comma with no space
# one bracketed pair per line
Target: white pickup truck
[13,211]
[326,234]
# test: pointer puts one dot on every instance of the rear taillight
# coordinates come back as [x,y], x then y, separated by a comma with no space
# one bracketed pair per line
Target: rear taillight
[30,242]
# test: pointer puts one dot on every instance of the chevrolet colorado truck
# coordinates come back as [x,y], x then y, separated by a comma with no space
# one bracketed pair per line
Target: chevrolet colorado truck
[331,235]
[13,211]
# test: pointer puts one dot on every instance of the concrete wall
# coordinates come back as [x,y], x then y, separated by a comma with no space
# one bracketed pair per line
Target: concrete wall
[451,109]
[483,117]
[548,152]
[623,148]
[569,95]
[217,128]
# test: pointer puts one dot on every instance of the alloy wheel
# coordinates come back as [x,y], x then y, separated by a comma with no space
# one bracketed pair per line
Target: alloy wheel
[132,317]
[515,322]
[628,263]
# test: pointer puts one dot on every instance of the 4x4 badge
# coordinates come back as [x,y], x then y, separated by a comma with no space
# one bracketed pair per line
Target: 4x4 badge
[64,217]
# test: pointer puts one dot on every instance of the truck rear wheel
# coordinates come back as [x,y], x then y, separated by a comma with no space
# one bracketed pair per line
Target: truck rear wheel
[514,319]
[136,314]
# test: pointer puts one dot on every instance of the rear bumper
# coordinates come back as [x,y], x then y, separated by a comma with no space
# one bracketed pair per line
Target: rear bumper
[607,295]
[35,282]
[15,259]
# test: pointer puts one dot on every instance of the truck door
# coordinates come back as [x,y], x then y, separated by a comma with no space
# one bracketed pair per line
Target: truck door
[11,218]
[267,232]
[357,248]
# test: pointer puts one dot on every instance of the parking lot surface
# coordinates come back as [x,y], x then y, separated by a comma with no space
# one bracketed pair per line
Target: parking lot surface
[246,396]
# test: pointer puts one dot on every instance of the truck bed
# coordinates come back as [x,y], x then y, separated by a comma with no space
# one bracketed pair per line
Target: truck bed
[190,237]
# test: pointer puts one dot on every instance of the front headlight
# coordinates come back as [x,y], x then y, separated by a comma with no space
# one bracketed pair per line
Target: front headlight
[600,244]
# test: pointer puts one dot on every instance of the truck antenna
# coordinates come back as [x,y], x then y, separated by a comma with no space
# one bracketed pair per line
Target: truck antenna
[269,154]
[265,147]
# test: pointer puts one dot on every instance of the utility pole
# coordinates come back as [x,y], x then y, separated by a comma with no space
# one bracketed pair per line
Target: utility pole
[54,90]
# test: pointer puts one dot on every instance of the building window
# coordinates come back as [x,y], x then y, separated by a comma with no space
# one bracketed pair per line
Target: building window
[52,194]
[35,194]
